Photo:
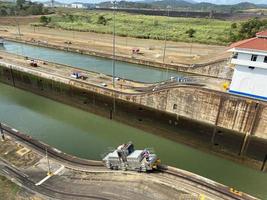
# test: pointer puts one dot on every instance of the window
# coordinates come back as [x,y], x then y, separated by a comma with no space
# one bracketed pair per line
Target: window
[174,106]
[235,55]
[254,58]
[265,59]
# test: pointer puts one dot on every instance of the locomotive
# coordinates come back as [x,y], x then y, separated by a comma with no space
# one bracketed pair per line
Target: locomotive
[125,157]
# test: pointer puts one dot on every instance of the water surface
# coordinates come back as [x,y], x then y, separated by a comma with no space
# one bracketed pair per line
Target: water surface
[87,135]
[123,69]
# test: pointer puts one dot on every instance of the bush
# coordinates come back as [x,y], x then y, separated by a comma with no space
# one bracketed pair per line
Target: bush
[45,20]
[102,20]
[247,29]
[190,32]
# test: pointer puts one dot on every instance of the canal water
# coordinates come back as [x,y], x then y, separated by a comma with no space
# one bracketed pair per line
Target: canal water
[91,63]
[89,136]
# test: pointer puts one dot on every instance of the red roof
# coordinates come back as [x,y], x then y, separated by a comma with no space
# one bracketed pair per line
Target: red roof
[257,43]
[262,34]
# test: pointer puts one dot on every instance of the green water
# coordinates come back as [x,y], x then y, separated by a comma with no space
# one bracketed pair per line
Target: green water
[87,135]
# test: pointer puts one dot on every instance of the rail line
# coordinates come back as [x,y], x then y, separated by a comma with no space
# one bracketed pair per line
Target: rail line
[46,190]
[83,163]
[52,152]
[216,187]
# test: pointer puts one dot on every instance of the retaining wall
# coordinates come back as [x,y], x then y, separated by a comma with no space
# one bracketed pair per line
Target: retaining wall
[191,114]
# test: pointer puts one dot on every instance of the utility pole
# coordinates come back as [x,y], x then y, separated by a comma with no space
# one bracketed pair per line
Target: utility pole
[52,3]
[49,173]
[113,55]
[165,41]
[18,26]
[114,42]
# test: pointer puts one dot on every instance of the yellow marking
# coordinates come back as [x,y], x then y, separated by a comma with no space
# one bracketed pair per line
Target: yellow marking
[236,192]
[202,197]
[23,151]
[226,86]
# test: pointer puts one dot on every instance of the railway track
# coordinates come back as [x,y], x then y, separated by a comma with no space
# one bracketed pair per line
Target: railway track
[84,164]
[210,187]
[52,193]
[52,152]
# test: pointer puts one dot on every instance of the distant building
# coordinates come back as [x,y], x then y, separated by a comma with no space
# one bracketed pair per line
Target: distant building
[56,4]
[250,60]
[78,5]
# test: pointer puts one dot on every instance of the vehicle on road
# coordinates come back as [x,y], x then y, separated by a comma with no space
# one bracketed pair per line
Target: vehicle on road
[78,75]
[125,157]
[2,41]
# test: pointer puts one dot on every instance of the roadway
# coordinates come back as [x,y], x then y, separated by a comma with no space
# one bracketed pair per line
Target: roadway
[122,86]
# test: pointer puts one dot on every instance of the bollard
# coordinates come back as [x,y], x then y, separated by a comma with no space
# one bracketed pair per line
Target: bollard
[263,163]
[110,114]
[2,133]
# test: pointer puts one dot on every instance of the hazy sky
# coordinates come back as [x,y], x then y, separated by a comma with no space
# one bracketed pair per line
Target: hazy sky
[233,1]
[211,1]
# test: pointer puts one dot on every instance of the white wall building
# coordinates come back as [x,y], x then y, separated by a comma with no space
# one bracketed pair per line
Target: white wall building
[77,5]
[250,60]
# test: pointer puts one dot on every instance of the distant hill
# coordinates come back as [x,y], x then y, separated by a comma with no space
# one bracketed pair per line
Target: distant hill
[173,3]
[182,5]
[232,2]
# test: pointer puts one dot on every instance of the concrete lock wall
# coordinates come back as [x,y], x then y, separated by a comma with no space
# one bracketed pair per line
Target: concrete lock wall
[216,117]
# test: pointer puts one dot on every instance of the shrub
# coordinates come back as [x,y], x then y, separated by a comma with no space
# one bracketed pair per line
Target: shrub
[190,32]
[45,20]
[102,20]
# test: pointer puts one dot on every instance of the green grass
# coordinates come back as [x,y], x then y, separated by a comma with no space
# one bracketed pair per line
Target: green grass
[8,190]
[208,31]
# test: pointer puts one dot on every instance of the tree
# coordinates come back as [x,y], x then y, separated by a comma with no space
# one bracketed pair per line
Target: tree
[102,20]
[233,25]
[3,12]
[250,28]
[190,32]
[45,20]
[20,3]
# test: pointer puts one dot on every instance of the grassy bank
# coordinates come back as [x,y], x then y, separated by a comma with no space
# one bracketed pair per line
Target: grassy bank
[208,31]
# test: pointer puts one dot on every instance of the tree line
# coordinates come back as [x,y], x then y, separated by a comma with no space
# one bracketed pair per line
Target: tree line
[22,8]
[247,29]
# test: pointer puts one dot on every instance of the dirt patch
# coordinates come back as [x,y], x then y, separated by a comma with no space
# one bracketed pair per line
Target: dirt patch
[176,52]
[13,21]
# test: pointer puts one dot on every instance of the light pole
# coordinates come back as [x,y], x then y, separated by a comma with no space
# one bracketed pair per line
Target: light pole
[113,46]
[165,41]
[114,56]
[48,163]
[18,26]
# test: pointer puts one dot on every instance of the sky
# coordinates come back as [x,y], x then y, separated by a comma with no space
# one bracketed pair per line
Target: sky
[210,1]
[233,1]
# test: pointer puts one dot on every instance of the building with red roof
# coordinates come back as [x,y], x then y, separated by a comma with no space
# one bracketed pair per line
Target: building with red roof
[250,61]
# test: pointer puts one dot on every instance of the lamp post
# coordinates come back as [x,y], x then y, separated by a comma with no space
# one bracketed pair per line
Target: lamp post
[113,46]
[48,163]
[114,56]
[18,26]
[165,41]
